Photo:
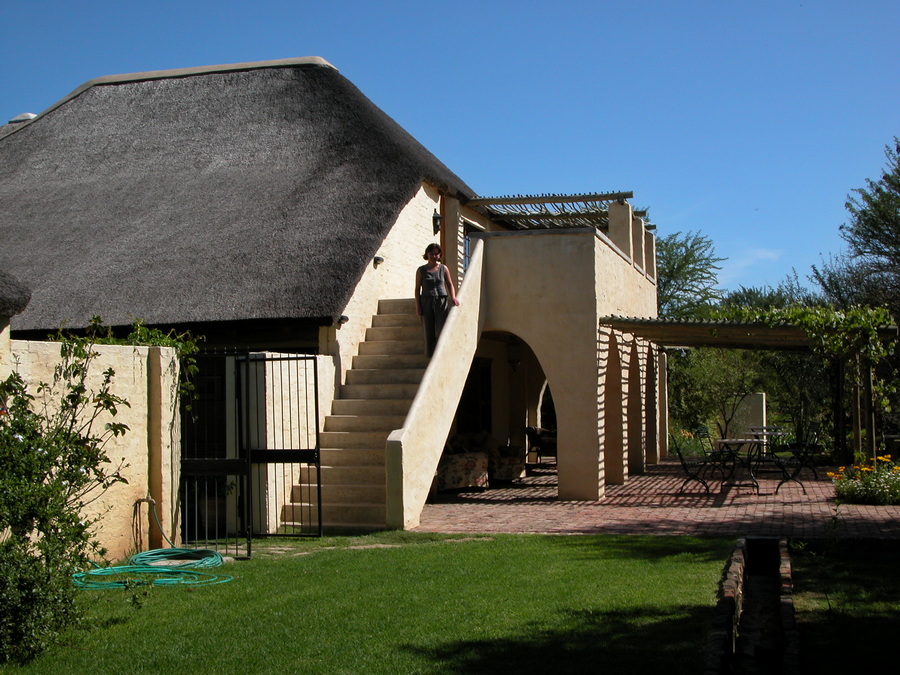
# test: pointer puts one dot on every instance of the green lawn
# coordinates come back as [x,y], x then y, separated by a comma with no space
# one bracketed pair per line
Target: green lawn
[847,599]
[418,603]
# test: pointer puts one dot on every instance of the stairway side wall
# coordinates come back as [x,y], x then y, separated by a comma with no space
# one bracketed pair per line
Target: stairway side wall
[412,453]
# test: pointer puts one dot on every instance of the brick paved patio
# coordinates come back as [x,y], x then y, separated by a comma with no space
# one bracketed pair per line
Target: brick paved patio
[650,504]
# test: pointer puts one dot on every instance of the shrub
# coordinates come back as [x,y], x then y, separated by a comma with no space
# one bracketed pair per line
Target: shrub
[875,482]
[52,464]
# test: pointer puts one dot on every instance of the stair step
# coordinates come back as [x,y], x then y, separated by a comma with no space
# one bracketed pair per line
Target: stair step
[353,439]
[364,406]
[339,494]
[380,361]
[385,375]
[364,422]
[397,306]
[395,333]
[351,475]
[384,347]
[376,391]
[396,320]
[369,515]
[372,457]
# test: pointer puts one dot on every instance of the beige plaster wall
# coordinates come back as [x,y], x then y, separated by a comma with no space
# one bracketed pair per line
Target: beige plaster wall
[150,451]
[550,288]
[402,251]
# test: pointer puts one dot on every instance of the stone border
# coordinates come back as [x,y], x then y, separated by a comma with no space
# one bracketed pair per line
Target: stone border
[720,644]
[723,635]
[791,658]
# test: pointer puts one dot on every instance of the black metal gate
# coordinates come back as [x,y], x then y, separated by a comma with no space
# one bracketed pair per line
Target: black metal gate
[250,451]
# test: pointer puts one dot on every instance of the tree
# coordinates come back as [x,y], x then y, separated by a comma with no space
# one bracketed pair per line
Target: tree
[871,270]
[687,279]
[707,386]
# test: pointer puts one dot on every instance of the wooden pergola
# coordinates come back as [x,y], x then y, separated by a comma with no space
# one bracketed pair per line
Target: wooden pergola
[781,337]
[539,212]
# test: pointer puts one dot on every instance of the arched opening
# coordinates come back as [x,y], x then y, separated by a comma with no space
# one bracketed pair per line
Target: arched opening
[506,392]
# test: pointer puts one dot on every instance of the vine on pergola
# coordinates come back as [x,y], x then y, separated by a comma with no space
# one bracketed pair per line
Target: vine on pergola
[854,336]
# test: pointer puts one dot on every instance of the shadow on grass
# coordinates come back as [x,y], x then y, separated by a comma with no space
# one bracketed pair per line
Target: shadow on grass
[633,641]
[848,599]
[648,548]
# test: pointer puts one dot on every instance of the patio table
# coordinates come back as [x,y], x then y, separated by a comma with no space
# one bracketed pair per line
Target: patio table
[743,452]
[767,455]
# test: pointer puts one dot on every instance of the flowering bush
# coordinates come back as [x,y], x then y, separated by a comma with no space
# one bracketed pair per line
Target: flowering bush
[52,463]
[875,482]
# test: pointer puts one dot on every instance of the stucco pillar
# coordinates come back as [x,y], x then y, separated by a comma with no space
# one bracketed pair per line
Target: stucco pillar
[452,237]
[636,411]
[662,385]
[613,410]
[650,254]
[651,405]
[620,227]
[637,237]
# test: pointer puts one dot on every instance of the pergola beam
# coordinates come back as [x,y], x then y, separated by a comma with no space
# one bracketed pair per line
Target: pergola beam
[548,199]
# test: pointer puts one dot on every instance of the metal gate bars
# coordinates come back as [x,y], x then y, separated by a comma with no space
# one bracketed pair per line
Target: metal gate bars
[250,450]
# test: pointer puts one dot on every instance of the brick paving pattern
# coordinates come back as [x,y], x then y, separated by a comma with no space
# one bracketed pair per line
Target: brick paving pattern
[651,504]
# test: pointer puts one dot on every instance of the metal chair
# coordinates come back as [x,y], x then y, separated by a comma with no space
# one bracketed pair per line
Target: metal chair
[693,467]
[719,459]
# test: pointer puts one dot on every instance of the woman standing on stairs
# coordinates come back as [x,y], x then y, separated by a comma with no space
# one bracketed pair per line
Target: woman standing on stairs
[434,292]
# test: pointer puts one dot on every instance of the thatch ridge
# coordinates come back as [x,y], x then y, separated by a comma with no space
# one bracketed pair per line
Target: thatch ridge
[229,195]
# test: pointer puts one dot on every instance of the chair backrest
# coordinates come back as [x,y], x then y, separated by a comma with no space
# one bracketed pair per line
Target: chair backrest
[811,433]
[706,442]
[675,444]
[534,438]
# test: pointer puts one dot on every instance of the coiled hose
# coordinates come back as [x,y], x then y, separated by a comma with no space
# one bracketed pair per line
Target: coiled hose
[149,569]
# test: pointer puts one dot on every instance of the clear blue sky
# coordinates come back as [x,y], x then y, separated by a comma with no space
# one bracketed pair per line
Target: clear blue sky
[749,121]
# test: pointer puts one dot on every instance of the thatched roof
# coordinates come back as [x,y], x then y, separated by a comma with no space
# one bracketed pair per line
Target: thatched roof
[253,191]
[14,295]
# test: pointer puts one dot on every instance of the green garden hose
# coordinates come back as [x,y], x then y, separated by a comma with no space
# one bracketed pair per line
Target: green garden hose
[147,568]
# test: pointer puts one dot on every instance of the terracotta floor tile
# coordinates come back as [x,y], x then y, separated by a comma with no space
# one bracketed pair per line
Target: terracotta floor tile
[651,504]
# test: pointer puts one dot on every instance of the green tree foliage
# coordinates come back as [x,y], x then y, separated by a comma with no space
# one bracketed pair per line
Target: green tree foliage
[53,462]
[707,386]
[870,272]
[687,275]
[796,383]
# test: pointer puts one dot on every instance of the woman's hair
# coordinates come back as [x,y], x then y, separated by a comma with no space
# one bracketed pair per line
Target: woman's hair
[432,247]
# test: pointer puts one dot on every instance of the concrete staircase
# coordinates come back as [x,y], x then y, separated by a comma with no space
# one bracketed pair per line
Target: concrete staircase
[374,401]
